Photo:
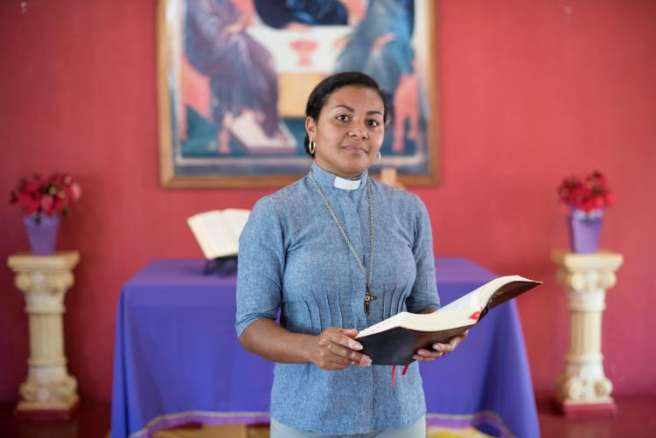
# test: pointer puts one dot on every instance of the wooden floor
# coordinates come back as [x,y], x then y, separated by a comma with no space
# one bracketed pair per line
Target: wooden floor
[90,421]
[636,419]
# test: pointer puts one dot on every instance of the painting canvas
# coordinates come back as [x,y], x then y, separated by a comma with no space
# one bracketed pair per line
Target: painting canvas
[234,77]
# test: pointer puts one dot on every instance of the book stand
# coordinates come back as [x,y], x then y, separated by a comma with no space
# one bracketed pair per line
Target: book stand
[221,266]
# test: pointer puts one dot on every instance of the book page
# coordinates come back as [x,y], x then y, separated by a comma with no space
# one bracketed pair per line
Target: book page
[517,286]
[391,322]
[479,297]
[463,312]
[442,319]
[235,220]
[212,235]
[468,301]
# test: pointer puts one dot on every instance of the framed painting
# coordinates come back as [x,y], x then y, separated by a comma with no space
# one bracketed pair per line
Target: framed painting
[234,77]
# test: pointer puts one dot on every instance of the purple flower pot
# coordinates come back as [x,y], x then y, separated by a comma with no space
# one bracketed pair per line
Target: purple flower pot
[584,230]
[42,236]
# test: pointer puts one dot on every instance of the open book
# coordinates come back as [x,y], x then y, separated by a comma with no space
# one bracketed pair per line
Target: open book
[395,340]
[217,232]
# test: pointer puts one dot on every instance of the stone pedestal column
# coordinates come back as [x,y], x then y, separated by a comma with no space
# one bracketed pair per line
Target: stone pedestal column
[583,389]
[49,392]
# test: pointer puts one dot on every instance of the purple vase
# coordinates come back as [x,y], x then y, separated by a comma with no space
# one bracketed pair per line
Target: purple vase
[42,236]
[584,230]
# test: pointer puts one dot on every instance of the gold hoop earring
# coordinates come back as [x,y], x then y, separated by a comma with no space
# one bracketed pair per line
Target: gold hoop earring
[380,156]
[312,146]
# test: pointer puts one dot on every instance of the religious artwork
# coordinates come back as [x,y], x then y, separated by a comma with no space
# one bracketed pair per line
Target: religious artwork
[234,77]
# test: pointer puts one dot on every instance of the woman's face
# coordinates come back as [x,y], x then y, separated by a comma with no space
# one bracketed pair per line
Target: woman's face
[349,132]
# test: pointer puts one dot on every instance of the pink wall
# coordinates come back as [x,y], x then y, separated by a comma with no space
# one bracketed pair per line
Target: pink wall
[529,92]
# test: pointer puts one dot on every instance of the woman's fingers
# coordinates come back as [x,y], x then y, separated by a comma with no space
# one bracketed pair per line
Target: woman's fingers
[349,354]
[338,349]
[440,349]
[328,360]
[423,354]
[337,363]
[452,344]
[345,338]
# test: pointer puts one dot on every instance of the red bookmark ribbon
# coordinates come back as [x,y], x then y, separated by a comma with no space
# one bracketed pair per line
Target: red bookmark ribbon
[403,373]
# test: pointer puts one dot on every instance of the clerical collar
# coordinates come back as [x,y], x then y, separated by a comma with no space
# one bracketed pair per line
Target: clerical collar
[328,179]
[346,184]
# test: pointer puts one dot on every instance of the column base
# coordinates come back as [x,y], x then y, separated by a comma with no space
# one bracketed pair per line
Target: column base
[35,411]
[586,410]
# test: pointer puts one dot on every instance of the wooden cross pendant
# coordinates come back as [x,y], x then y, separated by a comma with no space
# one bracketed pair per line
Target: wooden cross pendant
[368,298]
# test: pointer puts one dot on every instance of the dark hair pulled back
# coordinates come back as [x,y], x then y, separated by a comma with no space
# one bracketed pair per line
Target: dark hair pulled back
[320,94]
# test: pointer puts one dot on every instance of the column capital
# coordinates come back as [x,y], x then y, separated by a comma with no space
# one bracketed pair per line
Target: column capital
[59,261]
[51,273]
[587,272]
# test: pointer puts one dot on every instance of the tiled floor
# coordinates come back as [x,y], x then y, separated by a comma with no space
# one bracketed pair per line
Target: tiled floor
[636,419]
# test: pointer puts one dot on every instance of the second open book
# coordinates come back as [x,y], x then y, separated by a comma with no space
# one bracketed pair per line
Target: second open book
[217,231]
[395,340]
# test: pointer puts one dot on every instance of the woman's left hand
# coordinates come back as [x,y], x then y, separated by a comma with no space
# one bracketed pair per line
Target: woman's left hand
[439,350]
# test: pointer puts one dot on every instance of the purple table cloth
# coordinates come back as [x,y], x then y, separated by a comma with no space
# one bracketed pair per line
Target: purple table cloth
[177,359]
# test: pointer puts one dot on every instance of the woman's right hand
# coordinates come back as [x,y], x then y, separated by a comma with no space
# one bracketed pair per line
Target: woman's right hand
[336,349]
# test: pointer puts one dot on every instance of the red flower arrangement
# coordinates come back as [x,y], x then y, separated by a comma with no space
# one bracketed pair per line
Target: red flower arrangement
[587,195]
[50,197]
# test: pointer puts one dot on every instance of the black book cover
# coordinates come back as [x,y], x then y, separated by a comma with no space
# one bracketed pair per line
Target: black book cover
[397,345]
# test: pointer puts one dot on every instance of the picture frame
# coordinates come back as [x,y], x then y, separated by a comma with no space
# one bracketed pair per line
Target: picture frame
[234,77]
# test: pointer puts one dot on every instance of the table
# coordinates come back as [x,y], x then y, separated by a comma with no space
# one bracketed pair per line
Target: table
[177,358]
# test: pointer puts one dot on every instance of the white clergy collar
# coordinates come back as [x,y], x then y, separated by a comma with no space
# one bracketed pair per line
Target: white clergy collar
[328,179]
[346,184]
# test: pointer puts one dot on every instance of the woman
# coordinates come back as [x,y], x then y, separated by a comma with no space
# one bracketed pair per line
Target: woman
[310,251]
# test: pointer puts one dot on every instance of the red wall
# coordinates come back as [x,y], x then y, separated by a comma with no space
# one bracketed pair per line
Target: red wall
[529,92]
